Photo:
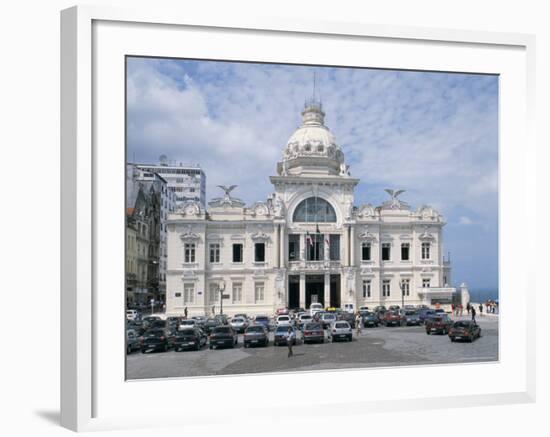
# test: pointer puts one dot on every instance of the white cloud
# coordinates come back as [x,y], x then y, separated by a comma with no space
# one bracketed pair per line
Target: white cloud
[465,220]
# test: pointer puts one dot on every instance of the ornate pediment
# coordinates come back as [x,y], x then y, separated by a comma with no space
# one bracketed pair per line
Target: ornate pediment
[426,212]
[366,211]
[189,235]
[227,201]
[260,235]
[190,208]
[426,235]
[365,235]
[260,209]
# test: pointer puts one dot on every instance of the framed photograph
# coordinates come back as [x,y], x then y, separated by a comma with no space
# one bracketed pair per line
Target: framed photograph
[271,207]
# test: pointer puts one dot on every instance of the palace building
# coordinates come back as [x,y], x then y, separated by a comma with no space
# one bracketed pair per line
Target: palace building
[309,241]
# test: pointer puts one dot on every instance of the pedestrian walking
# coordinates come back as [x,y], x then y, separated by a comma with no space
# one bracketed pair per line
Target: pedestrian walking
[480,309]
[289,341]
[473,314]
[468,307]
[358,323]
[185,312]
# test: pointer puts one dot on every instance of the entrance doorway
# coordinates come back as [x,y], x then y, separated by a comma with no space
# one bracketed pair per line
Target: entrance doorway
[335,291]
[315,290]
[293,291]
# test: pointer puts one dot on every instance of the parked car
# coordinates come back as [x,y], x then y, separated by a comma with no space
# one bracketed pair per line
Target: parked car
[440,311]
[314,332]
[238,324]
[223,336]
[409,307]
[391,318]
[425,313]
[154,340]
[281,333]
[464,330]
[303,319]
[222,318]
[262,320]
[244,316]
[363,309]
[136,325]
[190,338]
[210,324]
[439,325]
[380,310]
[132,341]
[158,324]
[281,311]
[314,308]
[199,319]
[187,323]
[256,335]
[283,320]
[327,319]
[132,314]
[148,321]
[370,319]
[348,317]
[411,318]
[394,308]
[341,330]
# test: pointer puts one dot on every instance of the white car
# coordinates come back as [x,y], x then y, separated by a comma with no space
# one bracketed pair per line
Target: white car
[304,318]
[314,308]
[239,324]
[349,308]
[327,319]
[341,330]
[187,324]
[283,320]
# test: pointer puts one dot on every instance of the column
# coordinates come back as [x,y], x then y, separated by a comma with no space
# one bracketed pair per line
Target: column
[302,290]
[352,246]
[327,289]
[302,247]
[282,248]
[277,246]
[345,244]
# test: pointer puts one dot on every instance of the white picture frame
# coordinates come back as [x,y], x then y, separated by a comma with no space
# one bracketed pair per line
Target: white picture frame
[93,394]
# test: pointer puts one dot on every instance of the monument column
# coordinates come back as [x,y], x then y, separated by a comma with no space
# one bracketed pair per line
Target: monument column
[282,247]
[277,246]
[352,245]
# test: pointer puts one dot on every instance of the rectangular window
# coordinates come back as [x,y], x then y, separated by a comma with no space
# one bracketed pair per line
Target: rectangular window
[189,252]
[237,292]
[386,288]
[259,252]
[214,293]
[315,247]
[425,283]
[259,292]
[365,252]
[188,293]
[334,247]
[238,253]
[215,253]
[385,251]
[405,251]
[425,250]
[406,287]
[293,247]
[366,288]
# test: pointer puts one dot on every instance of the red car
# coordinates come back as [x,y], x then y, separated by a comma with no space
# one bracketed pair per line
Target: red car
[391,318]
[440,324]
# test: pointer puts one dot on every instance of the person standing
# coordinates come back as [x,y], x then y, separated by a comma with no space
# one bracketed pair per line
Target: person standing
[473,314]
[468,307]
[358,323]
[185,312]
[289,341]
[480,309]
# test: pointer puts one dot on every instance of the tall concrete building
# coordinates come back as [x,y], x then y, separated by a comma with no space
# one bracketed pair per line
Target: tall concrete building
[187,182]
[310,241]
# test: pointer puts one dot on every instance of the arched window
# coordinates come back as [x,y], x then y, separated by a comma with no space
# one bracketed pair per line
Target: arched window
[314,209]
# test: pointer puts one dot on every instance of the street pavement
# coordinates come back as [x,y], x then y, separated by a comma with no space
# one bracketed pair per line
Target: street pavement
[375,347]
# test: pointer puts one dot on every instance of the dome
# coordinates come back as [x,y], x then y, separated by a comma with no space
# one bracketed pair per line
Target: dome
[312,147]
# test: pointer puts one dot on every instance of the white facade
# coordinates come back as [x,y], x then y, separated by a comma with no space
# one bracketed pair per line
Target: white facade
[187,182]
[316,244]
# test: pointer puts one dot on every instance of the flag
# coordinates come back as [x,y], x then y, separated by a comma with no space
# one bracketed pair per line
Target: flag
[308,239]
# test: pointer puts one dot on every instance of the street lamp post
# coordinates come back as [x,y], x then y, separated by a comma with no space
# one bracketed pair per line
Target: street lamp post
[402,294]
[221,289]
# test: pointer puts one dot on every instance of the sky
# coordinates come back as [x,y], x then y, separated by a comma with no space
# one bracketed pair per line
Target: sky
[433,134]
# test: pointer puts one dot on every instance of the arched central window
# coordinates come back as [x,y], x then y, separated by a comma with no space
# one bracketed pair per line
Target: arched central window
[314,209]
